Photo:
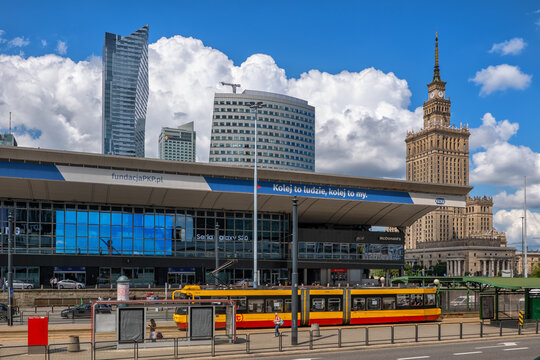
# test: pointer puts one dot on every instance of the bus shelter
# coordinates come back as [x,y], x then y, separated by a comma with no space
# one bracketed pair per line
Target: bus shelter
[503,298]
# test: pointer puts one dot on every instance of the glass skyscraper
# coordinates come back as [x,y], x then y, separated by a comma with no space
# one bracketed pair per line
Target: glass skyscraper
[125,92]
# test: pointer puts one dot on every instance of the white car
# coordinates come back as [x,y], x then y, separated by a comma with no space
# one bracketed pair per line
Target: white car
[462,300]
[18,284]
[70,284]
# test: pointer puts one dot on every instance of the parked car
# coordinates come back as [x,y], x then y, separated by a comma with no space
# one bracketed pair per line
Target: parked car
[19,284]
[462,301]
[4,311]
[84,310]
[70,284]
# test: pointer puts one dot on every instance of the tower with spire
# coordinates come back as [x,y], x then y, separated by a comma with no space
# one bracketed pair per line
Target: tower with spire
[439,154]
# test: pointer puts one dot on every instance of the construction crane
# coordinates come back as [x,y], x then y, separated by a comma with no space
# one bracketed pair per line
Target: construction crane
[234,86]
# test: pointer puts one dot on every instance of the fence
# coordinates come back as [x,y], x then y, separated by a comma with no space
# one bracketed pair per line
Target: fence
[265,341]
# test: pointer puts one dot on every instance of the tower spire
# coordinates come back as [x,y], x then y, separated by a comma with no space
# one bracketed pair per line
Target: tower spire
[436,73]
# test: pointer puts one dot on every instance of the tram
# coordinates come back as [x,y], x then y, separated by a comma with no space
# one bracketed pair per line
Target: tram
[255,308]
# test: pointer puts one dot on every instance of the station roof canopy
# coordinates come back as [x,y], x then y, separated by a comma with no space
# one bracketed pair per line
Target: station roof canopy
[506,282]
[496,282]
[37,174]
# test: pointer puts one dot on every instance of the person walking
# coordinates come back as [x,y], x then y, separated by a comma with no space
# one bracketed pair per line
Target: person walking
[278,322]
[153,327]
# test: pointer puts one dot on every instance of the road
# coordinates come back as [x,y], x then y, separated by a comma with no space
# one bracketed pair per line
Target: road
[518,349]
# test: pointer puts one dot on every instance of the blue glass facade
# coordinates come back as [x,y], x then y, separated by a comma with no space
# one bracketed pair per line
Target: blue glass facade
[125,92]
[48,228]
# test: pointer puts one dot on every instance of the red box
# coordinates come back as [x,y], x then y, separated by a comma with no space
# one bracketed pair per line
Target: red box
[38,331]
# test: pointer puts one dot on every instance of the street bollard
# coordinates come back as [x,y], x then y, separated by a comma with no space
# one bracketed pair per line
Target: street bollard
[461,330]
[392,334]
[338,338]
[481,329]
[416,332]
[310,339]
[176,348]
[536,326]
[247,344]
[35,309]
[439,331]
[280,343]
[52,309]
[500,328]
[213,346]
[135,350]
[367,336]
[519,329]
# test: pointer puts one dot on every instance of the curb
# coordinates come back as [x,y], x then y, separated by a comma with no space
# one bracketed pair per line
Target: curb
[362,347]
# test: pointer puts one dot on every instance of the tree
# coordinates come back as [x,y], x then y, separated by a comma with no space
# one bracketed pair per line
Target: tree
[536,271]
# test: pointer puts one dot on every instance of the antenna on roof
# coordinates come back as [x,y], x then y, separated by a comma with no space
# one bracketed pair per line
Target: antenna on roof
[234,86]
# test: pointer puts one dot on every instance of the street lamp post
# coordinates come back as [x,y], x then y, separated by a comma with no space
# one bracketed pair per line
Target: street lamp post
[255,106]
[216,244]
[11,232]
[294,290]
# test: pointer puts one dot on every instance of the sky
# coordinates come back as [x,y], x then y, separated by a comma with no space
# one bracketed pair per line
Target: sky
[364,65]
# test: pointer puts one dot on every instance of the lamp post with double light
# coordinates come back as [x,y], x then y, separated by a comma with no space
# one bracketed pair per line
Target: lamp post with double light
[255,106]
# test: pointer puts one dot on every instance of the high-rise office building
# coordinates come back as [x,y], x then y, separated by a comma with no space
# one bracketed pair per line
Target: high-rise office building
[463,238]
[7,140]
[285,137]
[125,93]
[178,144]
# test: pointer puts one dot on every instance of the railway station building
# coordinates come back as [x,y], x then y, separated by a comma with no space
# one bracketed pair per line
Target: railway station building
[94,217]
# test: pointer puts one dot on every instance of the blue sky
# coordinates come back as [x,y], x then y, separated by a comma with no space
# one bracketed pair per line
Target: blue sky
[299,36]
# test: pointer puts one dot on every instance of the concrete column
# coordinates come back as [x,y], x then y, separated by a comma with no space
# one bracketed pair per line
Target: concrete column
[305,276]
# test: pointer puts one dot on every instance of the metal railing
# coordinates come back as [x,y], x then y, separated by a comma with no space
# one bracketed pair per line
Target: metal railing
[266,341]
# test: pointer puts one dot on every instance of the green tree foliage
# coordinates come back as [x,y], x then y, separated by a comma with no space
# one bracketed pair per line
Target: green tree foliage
[536,272]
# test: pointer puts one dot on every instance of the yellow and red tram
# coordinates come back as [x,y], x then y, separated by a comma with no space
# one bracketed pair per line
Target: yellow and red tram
[255,308]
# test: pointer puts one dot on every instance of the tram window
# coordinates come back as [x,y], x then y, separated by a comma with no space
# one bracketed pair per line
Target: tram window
[241,303]
[403,300]
[359,304]
[181,310]
[334,304]
[374,303]
[317,304]
[274,305]
[417,300]
[288,305]
[430,299]
[256,305]
[389,303]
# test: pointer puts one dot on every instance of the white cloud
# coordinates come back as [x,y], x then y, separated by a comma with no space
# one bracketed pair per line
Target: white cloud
[515,200]
[61,47]
[505,164]
[491,132]
[43,43]
[501,77]
[18,42]
[361,117]
[510,222]
[54,95]
[2,40]
[509,47]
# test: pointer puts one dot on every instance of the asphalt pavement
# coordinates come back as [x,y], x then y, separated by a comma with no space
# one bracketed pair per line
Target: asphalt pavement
[515,349]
